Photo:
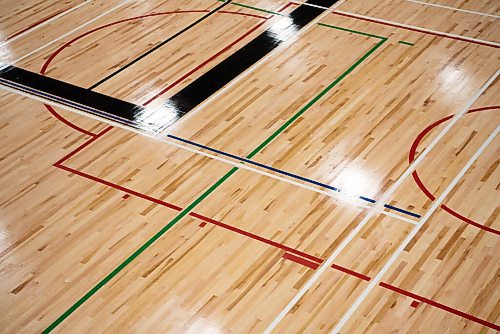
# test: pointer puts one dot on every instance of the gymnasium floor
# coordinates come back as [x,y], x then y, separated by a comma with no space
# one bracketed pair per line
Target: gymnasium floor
[249,166]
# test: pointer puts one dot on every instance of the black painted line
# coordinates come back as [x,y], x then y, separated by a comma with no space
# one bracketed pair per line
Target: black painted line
[147,53]
[220,75]
[76,97]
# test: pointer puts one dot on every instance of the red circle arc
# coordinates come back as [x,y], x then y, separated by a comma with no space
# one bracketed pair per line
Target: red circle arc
[67,44]
[418,181]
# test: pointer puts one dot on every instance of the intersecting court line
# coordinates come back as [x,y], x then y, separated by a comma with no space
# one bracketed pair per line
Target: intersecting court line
[430,4]
[406,26]
[252,68]
[177,218]
[435,205]
[372,212]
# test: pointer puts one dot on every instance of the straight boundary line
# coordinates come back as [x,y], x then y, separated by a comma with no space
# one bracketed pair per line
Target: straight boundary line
[430,4]
[248,71]
[335,195]
[411,235]
[191,206]
[296,176]
[373,210]
[43,22]
[121,4]
[440,306]
[419,29]
[406,26]
[258,238]
[159,45]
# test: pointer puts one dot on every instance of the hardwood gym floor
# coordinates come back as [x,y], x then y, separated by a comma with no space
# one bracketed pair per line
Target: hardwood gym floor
[250,166]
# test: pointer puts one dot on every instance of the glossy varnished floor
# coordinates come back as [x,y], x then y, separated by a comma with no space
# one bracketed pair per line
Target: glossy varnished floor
[322,190]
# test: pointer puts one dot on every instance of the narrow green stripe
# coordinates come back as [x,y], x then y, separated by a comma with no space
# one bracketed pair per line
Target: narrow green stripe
[353,31]
[138,252]
[406,43]
[314,100]
[255,8]
[188,209]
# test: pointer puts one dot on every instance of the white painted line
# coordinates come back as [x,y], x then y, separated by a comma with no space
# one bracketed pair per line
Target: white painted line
[44,23]
[254,66]
[374,281]
[453,8]
[402,25]
[70,32]
[464,38]
[375,209]
[353,200]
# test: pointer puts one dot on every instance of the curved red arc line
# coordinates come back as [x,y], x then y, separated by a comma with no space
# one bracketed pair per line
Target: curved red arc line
[421,185]
[67,44]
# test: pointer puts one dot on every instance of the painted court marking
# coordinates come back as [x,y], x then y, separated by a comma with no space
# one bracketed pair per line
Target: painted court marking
[121,4]
[182,214]
[407,26]
[422,186]
[41,23]
[372,211]
[251,69]
[430,4]
[342,196]
[191,213]
[373,283]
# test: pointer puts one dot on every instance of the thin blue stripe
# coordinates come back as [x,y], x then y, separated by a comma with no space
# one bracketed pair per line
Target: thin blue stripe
[388,206]
[121,120]
[286,173]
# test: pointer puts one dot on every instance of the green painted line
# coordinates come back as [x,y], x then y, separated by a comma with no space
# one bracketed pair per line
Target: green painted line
[314,100]
[138,252]
[406,43]
[205,194]
[353,31]
[255,8]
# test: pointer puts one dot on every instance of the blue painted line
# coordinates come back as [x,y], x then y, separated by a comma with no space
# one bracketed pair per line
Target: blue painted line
[388,206]
[255,163]
[245,160]
[298,177]
[367,199]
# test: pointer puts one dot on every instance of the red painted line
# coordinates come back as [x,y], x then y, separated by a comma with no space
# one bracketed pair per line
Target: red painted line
[163,91]
[300,260]
[65,121]
[81,147]
[421,185]
[203,224]
[255,237]
[395,25]
[36,24]
[440,306]
[126,196]
[69,43]
[414,304]
[177,208]
[121,188]
[351,272]
[286,6]
[243,14]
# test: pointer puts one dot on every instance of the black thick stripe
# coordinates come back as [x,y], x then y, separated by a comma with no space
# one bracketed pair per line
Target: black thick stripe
[177,34]
[223,73]
[71,95]
[182,102]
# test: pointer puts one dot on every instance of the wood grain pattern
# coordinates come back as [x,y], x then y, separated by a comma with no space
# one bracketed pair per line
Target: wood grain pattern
[235,246]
